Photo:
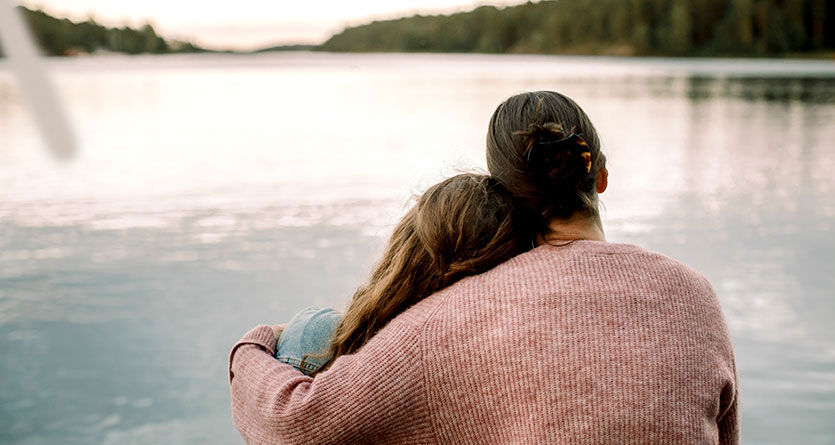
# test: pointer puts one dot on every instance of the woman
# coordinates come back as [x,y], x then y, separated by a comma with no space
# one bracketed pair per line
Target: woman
[575,341]
[459,227]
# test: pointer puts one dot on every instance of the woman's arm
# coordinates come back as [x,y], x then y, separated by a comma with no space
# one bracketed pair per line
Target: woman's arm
[376,394]
[728,422]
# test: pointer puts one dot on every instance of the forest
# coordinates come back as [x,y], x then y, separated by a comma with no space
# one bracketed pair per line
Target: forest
[60,37]
[759,28]
[612,27]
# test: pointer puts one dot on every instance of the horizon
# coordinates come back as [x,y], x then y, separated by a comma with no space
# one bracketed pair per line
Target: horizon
[259,25]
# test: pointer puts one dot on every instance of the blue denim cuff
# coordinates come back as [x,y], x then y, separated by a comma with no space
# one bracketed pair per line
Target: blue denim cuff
[304,343]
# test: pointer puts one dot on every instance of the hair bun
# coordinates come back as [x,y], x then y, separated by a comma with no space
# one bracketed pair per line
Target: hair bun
[557,161]
[542,131]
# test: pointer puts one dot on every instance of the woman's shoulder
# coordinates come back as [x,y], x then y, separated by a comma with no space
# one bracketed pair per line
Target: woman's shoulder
[580,266]
[643,262]
[613,258]
[570,281]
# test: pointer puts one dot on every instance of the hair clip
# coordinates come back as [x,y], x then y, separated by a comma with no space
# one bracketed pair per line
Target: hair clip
[587,157]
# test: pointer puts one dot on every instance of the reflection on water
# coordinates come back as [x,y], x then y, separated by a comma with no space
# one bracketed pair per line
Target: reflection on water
[770,89]
[214,193]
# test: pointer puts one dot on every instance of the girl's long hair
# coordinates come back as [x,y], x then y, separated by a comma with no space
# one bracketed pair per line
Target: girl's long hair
[459,227]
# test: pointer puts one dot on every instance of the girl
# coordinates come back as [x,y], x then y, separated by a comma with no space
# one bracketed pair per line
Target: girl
[462,226]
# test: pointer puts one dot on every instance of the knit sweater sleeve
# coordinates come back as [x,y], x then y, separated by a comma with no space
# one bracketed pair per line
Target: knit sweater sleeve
[728,422]
[375,395]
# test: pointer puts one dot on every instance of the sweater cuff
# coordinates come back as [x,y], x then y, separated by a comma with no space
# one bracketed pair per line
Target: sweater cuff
[261,335]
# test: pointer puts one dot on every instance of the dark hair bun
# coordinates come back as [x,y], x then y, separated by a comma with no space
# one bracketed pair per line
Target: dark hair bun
[557,161]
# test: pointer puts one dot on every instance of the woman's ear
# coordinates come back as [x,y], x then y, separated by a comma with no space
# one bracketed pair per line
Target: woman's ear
[602,180]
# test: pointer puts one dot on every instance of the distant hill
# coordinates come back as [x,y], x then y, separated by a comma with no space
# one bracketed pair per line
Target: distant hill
[60,37]
[298,47]
[615,27]
[609,27]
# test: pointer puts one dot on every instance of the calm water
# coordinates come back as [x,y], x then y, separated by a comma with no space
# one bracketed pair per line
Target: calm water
[214,193]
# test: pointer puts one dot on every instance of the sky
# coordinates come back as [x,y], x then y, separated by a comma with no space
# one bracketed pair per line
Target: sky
[248,24]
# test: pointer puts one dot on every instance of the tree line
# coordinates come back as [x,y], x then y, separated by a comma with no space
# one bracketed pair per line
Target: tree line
[58,37]
[617,27]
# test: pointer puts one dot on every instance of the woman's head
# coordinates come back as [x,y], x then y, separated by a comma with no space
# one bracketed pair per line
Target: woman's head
[462,226]
[551,175]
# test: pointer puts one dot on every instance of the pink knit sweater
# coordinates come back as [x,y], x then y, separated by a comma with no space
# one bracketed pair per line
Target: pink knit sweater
[588,343]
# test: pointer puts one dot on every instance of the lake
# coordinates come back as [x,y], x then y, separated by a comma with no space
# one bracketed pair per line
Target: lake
[212,193]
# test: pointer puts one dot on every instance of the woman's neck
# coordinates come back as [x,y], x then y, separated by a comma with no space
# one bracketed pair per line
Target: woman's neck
[578,227]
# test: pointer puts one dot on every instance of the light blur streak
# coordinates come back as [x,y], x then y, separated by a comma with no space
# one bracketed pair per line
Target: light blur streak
[34,83]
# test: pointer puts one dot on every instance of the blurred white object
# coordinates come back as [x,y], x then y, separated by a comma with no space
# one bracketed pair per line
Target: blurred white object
[34,82]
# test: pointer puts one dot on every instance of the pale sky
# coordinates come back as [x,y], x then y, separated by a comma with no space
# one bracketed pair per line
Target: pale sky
[248,24]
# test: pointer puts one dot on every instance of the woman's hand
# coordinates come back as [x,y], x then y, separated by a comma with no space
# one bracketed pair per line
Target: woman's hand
[277,329]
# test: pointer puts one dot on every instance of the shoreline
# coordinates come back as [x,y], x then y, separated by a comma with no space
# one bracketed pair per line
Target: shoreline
[812,56]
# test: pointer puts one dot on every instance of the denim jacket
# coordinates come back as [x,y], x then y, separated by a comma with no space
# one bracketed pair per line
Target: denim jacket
[305,340]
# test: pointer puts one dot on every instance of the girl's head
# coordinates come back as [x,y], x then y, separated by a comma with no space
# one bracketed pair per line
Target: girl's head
[544,149]
[462,226]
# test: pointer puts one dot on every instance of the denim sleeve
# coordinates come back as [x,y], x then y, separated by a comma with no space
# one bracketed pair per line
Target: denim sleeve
[305,341]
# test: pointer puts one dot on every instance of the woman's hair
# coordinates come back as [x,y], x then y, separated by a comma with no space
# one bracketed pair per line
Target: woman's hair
[551,175]
[463,226]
